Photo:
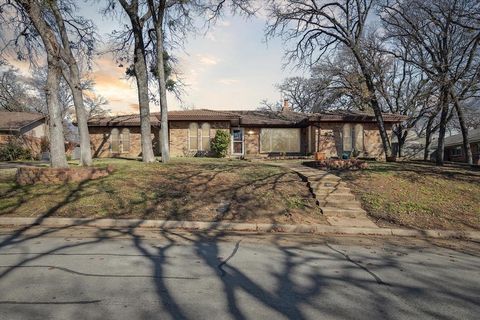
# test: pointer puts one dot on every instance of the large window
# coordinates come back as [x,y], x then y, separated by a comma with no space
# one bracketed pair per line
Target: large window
[199,139]
[352,137]
[125,140]
[279,140]
[115,140]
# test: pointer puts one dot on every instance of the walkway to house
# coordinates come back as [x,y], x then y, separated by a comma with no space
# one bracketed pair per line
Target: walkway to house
[337,202]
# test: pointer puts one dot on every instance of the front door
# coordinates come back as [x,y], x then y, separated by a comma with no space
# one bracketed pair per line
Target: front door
[237,142]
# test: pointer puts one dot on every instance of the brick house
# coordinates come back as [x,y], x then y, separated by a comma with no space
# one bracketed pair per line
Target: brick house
[454,147]
[253,133]
[26,127]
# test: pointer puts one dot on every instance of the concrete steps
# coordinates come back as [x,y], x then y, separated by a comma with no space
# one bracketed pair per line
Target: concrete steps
[334,197]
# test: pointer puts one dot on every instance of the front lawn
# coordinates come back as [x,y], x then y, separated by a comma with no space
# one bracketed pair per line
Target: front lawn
[418,195]
[185,189]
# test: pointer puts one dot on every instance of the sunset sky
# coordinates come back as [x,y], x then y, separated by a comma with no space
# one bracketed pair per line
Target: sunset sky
[229,67]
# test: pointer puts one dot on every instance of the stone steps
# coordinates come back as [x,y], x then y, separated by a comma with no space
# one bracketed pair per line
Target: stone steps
[340,204]
[334,197]
[338,212]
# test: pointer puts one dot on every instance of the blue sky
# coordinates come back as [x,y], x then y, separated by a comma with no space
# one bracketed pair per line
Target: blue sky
[230,66]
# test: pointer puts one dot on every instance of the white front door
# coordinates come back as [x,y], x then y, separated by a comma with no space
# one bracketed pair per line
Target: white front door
[237,142]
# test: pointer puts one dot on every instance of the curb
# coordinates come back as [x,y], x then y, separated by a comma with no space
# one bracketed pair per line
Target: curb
[232,226]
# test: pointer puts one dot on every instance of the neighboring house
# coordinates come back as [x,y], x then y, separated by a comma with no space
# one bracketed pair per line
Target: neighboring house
[454,147]
[28,128]
[253,133]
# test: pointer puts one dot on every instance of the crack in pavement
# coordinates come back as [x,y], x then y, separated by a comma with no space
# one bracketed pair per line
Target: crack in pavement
[224,262]
[101,275]
[51,302]
[347,257]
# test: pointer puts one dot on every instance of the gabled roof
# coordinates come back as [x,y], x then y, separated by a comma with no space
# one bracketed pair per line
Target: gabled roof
[457,139]
[16,121]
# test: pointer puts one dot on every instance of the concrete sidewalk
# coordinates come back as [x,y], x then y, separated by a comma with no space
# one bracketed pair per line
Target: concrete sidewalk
[231,226]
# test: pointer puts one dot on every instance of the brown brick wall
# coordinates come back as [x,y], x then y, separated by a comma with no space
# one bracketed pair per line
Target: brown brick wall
[34,144]
[179,135]
[100,141]
[33,175]
[330,139]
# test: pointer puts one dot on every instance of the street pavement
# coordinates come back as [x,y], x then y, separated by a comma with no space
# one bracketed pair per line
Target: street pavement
[93,273]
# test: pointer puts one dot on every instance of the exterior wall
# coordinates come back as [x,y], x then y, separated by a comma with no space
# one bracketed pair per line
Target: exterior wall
[475,146]
[101,142]
[325,137]
[252,141]
[30,137]
[329,139]
[179,135]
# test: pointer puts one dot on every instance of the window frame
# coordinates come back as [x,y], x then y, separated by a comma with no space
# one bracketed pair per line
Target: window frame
[112,135]
[298,143]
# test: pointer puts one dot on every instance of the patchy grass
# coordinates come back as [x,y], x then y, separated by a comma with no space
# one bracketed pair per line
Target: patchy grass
[419,195]
[185,189]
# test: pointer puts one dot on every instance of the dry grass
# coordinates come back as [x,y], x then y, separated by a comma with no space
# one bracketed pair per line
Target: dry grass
[419,195]
[193,189]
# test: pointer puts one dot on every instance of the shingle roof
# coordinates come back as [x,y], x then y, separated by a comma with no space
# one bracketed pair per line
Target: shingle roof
[121,120]
[457,139]
[270,118]
[15,121]
[245,118]
[355,116]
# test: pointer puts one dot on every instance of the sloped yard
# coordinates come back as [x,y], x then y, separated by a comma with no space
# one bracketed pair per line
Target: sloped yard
[186,189]
[418,195]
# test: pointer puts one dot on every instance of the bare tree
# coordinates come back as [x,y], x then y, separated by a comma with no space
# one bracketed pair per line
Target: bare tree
[442,40]
[13,91]
[84,30]
[69,37]
[405,90]
[317,28]
[133,38]
[32,25]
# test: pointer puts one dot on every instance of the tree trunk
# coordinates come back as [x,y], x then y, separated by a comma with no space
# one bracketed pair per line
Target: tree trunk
[444,94]
[158,13]
[461,119]
[58,158]
[428,138]
[141,76]
[73,80]
[163,96]
[387,147]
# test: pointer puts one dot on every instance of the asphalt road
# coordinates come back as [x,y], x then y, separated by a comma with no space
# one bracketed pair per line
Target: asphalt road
[100,274]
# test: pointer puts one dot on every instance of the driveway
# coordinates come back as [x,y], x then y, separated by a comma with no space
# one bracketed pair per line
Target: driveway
[87,273]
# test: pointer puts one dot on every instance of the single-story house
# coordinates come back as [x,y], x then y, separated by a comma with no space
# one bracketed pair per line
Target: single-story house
[253,133]
[28,128]
[454,147]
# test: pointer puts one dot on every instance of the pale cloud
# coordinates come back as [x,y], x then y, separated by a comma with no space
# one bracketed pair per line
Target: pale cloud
[210,36]
[224,23]
[207,60]
[227,82]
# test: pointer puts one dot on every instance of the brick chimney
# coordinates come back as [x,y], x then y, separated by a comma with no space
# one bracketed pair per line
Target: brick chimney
[285,107]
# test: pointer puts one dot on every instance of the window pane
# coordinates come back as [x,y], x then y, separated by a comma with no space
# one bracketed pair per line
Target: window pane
[126,140]
[358,141]
[193,136]
[347,138]
[205,136]
[280,140]
[115,144]
[237,147]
